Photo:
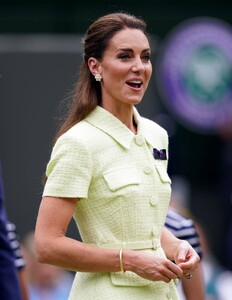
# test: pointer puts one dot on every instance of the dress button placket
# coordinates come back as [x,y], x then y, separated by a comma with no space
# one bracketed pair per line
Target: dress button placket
[154,200]
[147,170]
[154,231]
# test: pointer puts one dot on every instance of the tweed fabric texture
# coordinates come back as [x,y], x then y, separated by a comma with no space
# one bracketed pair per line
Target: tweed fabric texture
[124,196]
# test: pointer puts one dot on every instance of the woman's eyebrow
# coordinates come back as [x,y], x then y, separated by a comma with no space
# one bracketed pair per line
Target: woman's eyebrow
[125,49]
[131,50]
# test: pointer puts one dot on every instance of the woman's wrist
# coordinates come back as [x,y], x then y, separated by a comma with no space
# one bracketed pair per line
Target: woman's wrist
[170,243]
[121,260]
[127,260]
[173,249]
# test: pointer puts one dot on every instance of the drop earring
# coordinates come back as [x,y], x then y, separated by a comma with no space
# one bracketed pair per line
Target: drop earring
[97,77]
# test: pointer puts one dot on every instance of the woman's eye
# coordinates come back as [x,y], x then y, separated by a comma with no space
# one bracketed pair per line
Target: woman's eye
[124,56]
[146,57]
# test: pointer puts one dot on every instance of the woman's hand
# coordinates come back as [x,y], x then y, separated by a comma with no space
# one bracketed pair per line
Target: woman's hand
[180,251]
[186,258]
[149,266]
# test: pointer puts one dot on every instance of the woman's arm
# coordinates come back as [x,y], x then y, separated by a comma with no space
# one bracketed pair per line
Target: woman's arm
[195,288]
[53,247]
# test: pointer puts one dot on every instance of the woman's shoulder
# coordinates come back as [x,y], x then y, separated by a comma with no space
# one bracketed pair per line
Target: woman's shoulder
[150,124]
[75,138]
[81,131]
[81,137]
[154,133]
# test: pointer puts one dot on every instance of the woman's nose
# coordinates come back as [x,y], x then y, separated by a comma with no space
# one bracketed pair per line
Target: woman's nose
[138,66]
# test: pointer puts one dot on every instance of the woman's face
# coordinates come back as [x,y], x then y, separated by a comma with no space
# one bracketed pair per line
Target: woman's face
[125,68]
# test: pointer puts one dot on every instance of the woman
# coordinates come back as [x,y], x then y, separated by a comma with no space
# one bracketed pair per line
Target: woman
[103,173]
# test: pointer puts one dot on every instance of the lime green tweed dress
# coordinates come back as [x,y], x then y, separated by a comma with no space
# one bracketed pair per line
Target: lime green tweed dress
[124,196]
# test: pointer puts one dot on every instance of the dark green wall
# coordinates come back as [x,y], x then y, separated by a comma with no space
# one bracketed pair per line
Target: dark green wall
[75,16]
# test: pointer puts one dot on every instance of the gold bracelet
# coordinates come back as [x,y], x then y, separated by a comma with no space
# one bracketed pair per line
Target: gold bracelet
[120,259]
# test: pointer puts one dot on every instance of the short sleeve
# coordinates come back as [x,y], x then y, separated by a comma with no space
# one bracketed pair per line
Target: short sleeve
[69,169]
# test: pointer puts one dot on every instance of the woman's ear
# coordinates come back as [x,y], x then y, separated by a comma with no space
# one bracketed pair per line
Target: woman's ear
[93,65]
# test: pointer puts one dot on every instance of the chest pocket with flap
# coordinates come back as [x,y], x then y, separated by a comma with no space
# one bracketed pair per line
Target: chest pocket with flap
[118,178]
[161,169]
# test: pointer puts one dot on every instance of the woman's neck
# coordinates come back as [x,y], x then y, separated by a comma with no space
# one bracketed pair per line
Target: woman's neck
[125,113]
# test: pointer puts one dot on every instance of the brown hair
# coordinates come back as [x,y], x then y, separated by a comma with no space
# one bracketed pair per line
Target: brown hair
[87,92]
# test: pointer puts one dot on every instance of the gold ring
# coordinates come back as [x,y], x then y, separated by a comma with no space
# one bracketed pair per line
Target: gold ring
[189,275]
